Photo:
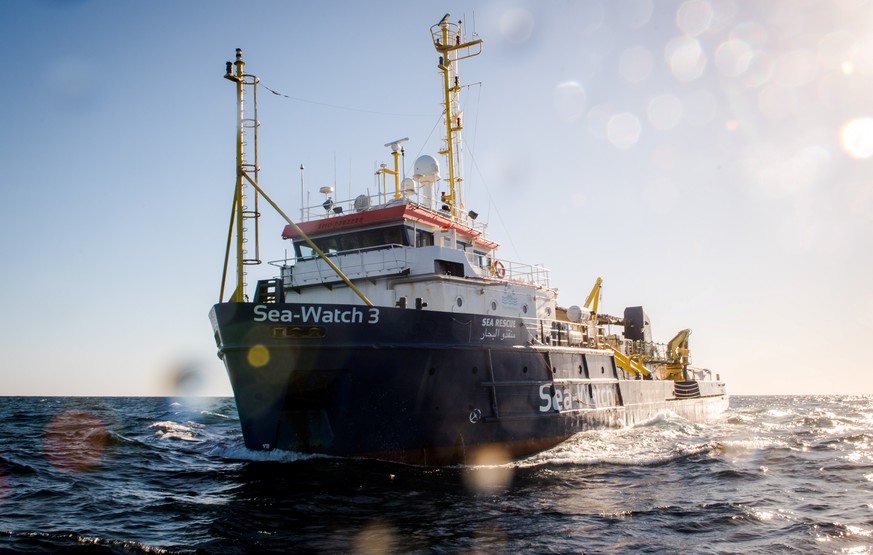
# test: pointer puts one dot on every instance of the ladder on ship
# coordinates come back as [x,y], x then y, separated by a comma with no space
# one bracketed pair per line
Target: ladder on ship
[245,214]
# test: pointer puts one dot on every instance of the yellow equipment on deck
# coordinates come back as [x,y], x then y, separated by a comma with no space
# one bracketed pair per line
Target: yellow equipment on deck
[677,355]
[632,364]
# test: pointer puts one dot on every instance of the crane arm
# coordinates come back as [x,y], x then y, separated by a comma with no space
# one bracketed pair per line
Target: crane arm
[594,296]
[677,348]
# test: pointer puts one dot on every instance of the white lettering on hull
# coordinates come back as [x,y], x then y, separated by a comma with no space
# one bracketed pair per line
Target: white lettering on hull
[316,315]
[563,398]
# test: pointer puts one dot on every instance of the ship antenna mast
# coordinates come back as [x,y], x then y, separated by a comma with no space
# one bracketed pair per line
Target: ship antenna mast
[244,216]
[452,46]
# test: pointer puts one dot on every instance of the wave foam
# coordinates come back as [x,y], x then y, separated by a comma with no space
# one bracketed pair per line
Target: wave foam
[174,430]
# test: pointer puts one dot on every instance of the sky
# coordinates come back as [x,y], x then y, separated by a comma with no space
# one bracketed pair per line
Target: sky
[711,160]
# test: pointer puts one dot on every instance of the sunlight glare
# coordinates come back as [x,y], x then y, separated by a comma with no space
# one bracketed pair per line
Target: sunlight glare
[733,57]
[856,136]
[686,58]
[623,130]
[694,17]
[664,112]
[836,49]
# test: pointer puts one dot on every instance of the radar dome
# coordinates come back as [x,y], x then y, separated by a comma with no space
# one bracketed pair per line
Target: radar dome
[426,169]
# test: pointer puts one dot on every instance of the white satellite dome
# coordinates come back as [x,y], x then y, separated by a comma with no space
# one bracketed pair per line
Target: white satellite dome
[426,169]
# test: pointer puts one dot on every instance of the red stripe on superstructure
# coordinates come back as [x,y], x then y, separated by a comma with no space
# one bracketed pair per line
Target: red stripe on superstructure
[326,226]
[398,214]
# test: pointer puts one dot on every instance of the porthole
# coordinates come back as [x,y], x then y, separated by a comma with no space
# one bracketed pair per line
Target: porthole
[431,372]
[493,305]
[524,370]
[524,308]
[460,301]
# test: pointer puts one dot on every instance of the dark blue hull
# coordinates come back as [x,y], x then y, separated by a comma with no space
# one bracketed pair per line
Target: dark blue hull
[420,387]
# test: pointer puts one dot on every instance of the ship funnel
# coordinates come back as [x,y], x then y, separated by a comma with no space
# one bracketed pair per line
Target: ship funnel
[426,172]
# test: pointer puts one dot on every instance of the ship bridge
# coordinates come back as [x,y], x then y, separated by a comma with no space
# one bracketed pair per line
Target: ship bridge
[399,238]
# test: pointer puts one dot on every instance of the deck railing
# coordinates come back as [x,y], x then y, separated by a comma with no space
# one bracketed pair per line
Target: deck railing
[512,271]
[366,262]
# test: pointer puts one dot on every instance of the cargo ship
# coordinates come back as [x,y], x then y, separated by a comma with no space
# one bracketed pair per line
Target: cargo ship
[395,331]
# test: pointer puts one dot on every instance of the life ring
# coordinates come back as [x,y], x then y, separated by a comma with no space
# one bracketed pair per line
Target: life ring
[499,269]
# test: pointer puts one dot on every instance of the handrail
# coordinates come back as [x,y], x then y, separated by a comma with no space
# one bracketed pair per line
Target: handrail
[353,262]
[515,271]
[312,245]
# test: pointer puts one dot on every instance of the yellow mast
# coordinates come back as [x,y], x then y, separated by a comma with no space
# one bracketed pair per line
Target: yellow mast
[396,151]
[449,41]
[246,172]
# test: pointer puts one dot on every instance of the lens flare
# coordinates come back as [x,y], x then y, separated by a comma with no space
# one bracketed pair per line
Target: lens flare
[259,356]
[686,58]
[376,538]
[664,112]
[490,471]
[733,57]
[623,130]
[694,17]
[75,441]
[856,136]
[838,49]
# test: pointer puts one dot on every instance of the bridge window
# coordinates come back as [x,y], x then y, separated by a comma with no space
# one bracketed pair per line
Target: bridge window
[364,239]
[423,238]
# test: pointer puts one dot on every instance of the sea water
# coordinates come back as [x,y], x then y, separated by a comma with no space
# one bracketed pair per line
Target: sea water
[155,475]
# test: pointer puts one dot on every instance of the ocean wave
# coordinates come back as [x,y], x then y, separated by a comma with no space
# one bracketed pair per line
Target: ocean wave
[756,481]
[69,542]
[241,453]
[9,467]
[174,430]
[636,446]
[214,414]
